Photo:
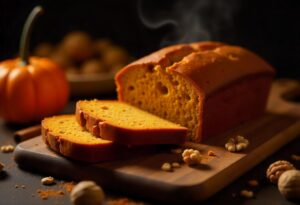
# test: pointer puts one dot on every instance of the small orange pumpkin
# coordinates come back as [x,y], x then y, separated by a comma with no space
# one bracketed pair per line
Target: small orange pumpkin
[31,88]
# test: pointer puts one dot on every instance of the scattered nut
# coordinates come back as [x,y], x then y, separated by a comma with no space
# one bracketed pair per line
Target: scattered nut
[277,168]
[191,156]
[176,151]
[87,192]
[247,194]
[176,165]
[211,153]
[1,166]
[253,182]
[295,157]
[7,148]
[289,184]
[166,167]
[47,180]
[236,144]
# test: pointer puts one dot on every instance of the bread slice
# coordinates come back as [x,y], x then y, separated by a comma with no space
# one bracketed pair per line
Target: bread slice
[207,87]
[65,136]
[121,122]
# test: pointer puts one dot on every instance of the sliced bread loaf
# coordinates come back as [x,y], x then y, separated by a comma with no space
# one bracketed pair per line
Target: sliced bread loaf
[65,136]
[121,122]
[207,87]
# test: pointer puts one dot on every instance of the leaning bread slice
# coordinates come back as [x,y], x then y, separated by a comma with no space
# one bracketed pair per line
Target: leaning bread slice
[65,136]
[121,122]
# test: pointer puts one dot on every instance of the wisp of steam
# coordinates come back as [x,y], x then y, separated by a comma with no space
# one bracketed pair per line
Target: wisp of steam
[189,20]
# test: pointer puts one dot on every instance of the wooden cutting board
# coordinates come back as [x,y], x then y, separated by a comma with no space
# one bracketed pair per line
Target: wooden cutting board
[141,175]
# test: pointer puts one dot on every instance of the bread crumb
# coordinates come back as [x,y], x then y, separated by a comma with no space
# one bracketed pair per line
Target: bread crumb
[295,157]
[176,165]
[166,167]
[23,186]
[46,193]
[47,180]
[211,153]
[176,151]
[7,148]
[68,186]
[247,194]
[253,182]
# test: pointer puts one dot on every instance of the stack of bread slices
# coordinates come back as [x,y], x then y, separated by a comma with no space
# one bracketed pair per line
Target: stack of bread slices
[181,93]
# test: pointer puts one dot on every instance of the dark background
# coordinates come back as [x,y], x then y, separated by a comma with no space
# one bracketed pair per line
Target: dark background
[269,28]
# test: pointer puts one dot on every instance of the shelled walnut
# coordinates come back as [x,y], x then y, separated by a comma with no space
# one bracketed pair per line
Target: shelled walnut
[191,156]
[277,168]
[166,167]
[247,194]
[7,148]
[236,144]
[47,180]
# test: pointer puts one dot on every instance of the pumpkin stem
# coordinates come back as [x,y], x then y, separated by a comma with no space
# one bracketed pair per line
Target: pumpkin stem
[26,33]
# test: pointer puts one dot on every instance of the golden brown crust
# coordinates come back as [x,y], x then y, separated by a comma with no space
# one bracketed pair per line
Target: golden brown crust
[165,56]
[202,63]
[108,131]
[214,69]
[206,45]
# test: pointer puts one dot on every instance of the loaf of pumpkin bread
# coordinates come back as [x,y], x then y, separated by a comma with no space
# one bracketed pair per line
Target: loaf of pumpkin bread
[207,87]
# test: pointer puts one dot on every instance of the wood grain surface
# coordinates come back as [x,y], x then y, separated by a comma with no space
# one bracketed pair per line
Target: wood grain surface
[141,175]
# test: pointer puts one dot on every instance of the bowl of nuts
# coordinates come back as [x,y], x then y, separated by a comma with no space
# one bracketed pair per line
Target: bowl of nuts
[90,64]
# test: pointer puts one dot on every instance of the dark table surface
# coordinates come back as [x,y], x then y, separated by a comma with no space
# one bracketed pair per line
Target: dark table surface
[265,193]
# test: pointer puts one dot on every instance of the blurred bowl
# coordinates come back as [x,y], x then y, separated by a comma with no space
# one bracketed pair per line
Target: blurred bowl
[91,84]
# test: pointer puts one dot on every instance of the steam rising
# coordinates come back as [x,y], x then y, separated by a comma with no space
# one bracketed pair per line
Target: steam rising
[190,20]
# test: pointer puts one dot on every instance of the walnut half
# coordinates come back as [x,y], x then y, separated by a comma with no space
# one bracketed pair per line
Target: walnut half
[277,168]
[236,144]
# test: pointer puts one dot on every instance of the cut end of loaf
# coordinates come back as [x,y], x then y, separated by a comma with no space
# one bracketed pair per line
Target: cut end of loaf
[168,96]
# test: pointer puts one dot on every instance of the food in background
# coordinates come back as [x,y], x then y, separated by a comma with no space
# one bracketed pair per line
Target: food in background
[93,66]
[44,50]
[77,46]
[77,53]
[33,82]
